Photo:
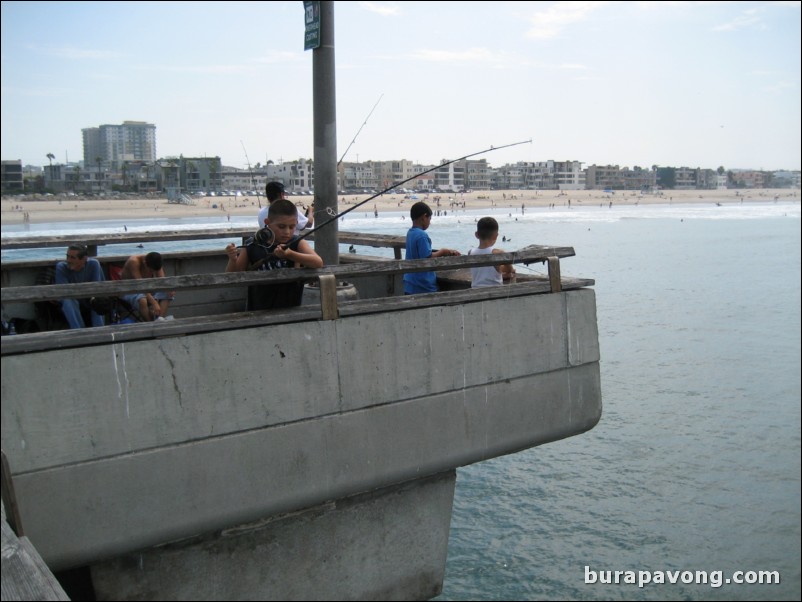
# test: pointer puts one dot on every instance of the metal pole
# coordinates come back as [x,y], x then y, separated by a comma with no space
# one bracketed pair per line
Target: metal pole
[325,130]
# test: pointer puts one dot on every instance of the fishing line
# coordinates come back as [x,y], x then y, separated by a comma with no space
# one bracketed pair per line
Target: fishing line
[253,184]
[396,184]
[264,237]
[359,130]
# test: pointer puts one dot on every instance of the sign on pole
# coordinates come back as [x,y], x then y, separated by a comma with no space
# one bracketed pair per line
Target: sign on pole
[312,21]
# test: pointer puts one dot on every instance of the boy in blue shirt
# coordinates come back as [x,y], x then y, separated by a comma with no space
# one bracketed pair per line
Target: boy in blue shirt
[419,246]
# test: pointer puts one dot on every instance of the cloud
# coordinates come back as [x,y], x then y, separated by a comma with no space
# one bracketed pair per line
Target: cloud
[45,92]
[70,53]
[279,56]
[385,10]
[782,86]
[472,55]
[550,23]
[749,18]
[208,69]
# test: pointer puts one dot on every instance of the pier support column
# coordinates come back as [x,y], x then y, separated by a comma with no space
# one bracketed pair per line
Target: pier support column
[325,137]
[388,544]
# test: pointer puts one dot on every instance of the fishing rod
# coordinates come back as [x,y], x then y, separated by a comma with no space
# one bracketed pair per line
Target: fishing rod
[264,237]
[396,184]
[360,129]
[250,171]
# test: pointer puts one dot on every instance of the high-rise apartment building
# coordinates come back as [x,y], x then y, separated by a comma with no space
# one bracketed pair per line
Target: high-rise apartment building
[114,144]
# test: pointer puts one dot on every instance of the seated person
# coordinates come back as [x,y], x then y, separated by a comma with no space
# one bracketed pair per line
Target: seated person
[79,267]
[275,191]
[274,247]
[150,306]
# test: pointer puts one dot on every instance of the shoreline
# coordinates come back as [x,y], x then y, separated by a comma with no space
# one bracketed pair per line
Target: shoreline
[69,209]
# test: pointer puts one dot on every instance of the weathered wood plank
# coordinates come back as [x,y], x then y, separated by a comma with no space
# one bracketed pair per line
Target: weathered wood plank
[328,297]
[124,333]
[32,242]
[199,281]
[554,274]
[25,575]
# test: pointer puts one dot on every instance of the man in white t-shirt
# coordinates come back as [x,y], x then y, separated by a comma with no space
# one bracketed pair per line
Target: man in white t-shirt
[275,191]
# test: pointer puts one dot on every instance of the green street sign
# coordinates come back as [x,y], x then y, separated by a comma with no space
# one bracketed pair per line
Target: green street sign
[312,21]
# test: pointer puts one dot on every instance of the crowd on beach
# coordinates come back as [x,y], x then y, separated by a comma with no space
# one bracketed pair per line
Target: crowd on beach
[42,209]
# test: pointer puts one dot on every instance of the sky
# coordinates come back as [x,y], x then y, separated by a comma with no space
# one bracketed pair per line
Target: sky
[682,84]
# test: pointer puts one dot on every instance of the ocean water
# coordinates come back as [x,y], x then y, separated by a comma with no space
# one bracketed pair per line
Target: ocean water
[695,464]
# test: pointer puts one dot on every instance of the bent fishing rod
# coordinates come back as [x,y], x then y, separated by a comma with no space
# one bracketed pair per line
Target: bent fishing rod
[396,184]
[360,129]
[250,171]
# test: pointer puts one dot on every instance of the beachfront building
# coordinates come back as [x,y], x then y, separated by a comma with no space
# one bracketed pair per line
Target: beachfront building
[478,174]
[568,175]
[466,174]
[11,176]
[685,178]
[297,176]
[707,179]
[613,177]
[356,176]
[389,172]
[511,177]
[749,179]
[540,175]
[110,145]
[785,179]
[201,174]
[236,178]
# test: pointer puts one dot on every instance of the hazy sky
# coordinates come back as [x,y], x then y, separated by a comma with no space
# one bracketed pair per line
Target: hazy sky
[696,84]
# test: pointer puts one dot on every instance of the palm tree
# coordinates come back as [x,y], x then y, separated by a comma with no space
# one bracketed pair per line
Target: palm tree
[50,157]
[212,176]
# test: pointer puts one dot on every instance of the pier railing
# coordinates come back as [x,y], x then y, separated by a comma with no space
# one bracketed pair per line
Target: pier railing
[98,240]
[453,276]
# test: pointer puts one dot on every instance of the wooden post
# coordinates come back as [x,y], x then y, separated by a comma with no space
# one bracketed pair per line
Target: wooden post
[554,275]
[328,297]
[10,500]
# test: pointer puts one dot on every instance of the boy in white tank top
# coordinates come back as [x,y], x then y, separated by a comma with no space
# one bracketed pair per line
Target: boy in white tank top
[491,275]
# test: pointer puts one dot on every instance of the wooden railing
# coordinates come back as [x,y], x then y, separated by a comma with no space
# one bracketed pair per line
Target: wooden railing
[452,271]
[33,242]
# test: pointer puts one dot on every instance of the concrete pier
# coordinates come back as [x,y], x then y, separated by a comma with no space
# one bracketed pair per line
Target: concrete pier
[257,456]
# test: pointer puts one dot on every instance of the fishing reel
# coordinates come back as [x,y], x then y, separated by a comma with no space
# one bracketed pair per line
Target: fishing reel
[265,238]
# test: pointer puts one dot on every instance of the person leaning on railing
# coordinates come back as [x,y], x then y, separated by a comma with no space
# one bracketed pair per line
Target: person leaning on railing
[419,246]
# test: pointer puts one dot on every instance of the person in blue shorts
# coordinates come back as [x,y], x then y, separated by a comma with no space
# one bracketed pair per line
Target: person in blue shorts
[150,306]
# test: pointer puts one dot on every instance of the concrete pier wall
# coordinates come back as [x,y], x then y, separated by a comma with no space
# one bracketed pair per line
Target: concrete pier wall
[118,448]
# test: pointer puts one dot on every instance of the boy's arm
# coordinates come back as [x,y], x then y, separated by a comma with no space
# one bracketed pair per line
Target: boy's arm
[236,262]
[445,253]
[506,269]
[304,256]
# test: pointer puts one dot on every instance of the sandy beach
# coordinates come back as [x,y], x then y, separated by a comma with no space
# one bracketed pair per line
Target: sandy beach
[41,209]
